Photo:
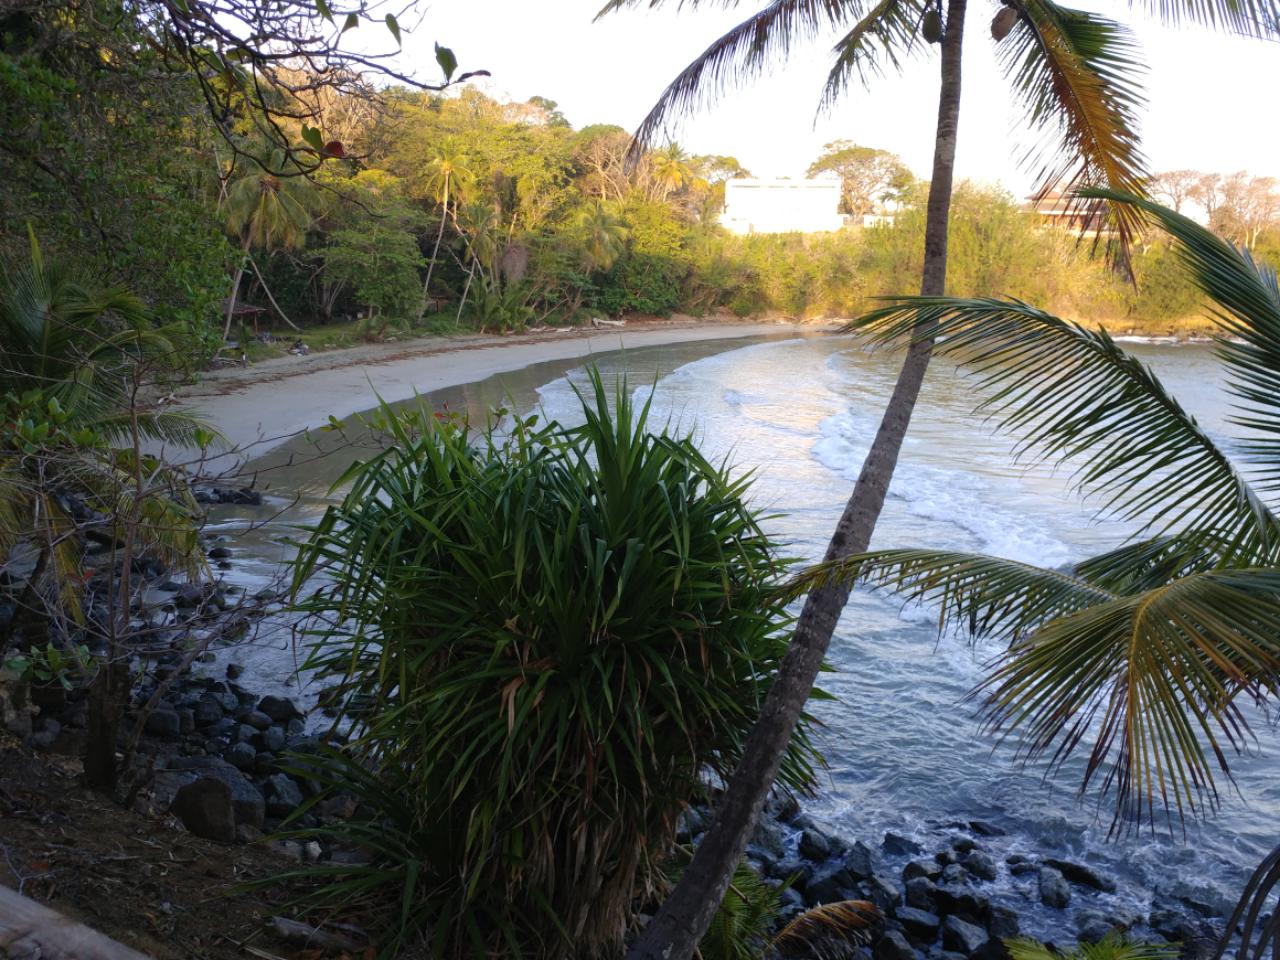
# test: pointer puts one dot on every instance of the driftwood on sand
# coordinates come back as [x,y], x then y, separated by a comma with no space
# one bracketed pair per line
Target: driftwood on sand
[30,931]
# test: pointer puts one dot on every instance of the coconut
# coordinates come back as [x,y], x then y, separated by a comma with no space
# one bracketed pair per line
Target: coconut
[1003,22]
[931,26]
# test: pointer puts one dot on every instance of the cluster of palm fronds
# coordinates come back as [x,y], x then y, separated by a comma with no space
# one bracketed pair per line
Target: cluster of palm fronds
[71,352]
[551,635]
[1146,654]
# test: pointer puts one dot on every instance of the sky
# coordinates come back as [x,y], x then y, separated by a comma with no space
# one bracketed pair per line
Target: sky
[1211,97]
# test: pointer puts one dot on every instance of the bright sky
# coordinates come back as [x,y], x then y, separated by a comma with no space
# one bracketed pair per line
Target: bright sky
[1211,97]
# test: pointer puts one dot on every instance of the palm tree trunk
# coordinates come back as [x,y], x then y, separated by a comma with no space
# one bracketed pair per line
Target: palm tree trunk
[235,288]
[466,288]
[444,215]
[674,933]
[267,290]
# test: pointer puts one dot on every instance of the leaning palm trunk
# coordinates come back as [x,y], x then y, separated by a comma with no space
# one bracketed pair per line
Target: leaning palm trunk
[235,288]
[675,931]
[426,286]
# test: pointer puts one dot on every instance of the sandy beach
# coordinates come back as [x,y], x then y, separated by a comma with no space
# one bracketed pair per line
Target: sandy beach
[260,407]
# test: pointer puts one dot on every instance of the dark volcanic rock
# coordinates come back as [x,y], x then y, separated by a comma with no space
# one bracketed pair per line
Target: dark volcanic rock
[1004,923]
[931,869]
[814,845]
[963,903]
[922,893]
[860,860]
[1079,873]
[1054,891]
[242,756]
[283,795]
[881,891]
[272,739]
[279,709]
[980,865]
[896,845]
[894,946]
[164,723]
[206,808]
[963,937]
[920,925]
[247,801]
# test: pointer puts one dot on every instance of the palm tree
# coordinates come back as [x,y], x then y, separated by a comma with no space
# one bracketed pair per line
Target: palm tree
[1161,636]
[603,233]
[1075,72]
[449,175]
[80,343]
[670,169]
[1141,656]
[268,211]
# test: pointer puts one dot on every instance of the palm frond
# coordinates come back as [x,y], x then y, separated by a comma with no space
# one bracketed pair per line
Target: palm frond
[1150,676]
[1255,916]
[1073,394]
[830,930]
[984,595]
[1250,18]
[1078,75]
[742,54]
[1246,301]
[1153,679]
[884,36]
[1110,947]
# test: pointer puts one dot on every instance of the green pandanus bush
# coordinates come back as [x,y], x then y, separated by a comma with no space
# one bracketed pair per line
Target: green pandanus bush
[553,635]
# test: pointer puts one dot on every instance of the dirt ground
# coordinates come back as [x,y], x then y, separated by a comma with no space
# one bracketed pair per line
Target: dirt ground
[142,881]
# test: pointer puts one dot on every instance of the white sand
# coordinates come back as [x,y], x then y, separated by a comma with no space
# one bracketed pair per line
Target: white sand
[264,405]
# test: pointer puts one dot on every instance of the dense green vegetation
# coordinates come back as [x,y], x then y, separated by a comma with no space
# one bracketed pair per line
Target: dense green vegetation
[546,638]
[455,206]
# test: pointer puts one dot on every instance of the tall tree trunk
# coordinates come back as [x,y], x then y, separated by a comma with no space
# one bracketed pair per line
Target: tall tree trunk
[235,288]
[444,215]
[465,290]
[683,919]
[267,290]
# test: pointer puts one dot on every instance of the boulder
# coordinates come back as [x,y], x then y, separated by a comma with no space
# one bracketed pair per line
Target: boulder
[283,795]
[1092,927]
[256,719]
[247,800]
[922,868]
[985,829]
[896,845]
[830,888]
[980,865]
[1054,891]
[955,874]
[272,739]
[1004,923]
[208,710]
[768,835]
[963,903]
[279,709]
[860,860]
[814,845]
[1079,873]
[963,845]
[894,946]
[920,925]
[242,756]
[963,937]
[882,891]
[922,894]
[207,809]
[164,723]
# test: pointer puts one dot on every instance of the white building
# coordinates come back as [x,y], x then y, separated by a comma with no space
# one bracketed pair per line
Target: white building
[781,206]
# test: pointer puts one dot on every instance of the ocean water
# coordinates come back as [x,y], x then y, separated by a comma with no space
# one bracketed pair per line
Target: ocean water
[903,749]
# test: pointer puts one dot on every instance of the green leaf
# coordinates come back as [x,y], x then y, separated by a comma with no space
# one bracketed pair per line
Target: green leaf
[353,21]
[313,138]
[322,8]
[393,26]
[448,62]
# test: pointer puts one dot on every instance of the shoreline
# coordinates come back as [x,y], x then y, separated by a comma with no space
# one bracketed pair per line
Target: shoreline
[261,407]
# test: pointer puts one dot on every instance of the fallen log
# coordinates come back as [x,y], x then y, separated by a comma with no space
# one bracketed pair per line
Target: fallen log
[29,930]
